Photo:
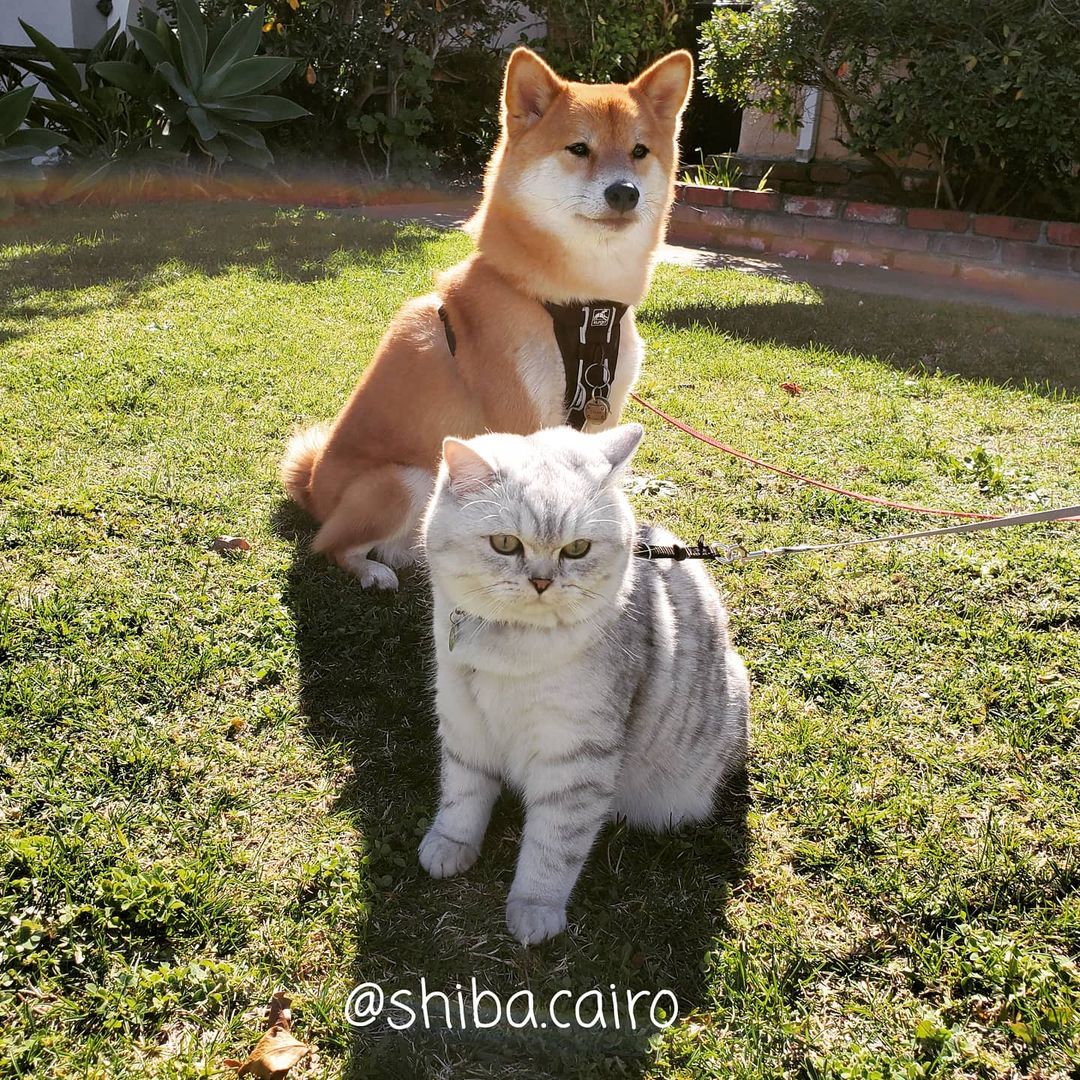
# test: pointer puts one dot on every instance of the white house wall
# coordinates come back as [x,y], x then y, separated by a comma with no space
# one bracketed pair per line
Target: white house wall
[70,23]
[51,17]
[527,25]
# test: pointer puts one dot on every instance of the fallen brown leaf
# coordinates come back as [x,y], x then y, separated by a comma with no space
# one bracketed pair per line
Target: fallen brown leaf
[278,1050]
[229,543]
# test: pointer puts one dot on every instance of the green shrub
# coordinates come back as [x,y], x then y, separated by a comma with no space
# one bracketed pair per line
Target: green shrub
[20,144]
[988,88]
[96,118]
[206,83]
[613,42]
[464,107]
[195,88]
[368,73]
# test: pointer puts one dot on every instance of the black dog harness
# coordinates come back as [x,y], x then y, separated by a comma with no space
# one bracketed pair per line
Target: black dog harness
[588,338]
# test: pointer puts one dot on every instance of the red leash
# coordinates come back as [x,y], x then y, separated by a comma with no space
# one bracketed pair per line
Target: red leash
[709,441]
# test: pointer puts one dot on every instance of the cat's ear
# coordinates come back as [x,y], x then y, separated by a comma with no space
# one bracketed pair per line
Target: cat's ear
[619,444]
[469,472]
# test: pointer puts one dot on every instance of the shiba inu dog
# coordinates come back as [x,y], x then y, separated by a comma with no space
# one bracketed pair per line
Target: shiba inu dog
[576,200]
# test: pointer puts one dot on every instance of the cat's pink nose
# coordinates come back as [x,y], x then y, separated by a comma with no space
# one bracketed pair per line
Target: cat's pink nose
[540,583]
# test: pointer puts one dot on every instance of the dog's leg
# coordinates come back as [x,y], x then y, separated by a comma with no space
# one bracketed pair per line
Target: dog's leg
[370,573]
[376,508]
[406,548]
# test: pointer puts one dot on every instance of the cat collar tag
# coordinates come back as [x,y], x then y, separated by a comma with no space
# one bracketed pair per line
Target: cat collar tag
[457,617]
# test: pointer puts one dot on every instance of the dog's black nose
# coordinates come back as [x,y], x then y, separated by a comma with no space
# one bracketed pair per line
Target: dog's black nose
[622,195]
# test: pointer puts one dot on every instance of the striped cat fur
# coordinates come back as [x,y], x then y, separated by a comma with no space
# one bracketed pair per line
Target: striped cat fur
[595,684]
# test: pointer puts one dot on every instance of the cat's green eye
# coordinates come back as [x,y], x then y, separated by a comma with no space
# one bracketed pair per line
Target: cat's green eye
[576,549]
[505,544]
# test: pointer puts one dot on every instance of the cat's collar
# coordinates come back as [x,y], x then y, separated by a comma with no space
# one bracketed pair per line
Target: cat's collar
[460,621]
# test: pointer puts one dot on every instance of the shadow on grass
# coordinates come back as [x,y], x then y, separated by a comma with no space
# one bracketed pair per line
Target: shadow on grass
[132,249]
[644,917]
[1034,353]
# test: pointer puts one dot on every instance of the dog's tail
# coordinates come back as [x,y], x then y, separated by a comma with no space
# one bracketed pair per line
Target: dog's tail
[298,461]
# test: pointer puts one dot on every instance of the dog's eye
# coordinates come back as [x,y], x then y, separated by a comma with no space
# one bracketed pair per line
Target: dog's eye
[576,549]
[578,149]
[639,151]
[505,544]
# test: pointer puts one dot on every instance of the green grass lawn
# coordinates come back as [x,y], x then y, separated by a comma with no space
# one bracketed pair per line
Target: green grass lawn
[215,770]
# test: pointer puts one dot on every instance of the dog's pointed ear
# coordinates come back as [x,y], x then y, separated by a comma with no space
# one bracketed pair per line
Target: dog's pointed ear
[529,89]
[667,83]
[468,471]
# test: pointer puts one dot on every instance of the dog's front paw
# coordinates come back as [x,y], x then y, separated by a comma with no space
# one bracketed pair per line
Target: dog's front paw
[442,857]
[377,576]
[533,921]
[371,574]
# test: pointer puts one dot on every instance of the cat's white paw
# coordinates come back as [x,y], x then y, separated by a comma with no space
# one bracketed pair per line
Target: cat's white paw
[371,574]
[533,921]
[442,857]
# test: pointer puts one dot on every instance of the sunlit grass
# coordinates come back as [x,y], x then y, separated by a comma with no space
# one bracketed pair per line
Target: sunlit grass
[216,770]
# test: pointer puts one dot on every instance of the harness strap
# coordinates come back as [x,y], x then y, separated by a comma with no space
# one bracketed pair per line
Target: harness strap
[451,340]
[588,337]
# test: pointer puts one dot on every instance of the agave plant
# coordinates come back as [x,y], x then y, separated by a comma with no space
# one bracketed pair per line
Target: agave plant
[18,143]
[96,116]
[206,83]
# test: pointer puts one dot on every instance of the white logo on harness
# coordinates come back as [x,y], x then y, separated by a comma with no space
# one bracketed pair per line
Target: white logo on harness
[601,317]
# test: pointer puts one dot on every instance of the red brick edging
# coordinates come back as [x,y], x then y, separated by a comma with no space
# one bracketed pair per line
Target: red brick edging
[1032,259]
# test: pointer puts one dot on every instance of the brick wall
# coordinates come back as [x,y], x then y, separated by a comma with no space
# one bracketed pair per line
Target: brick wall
[848,179]
[1020,256]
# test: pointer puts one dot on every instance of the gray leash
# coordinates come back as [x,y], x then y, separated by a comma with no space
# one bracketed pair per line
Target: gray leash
[738,553]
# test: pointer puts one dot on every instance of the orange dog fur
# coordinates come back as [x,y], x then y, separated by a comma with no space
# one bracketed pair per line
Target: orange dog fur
[548,229]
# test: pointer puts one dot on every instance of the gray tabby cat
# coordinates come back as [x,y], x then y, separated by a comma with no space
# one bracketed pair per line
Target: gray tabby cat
[593,682]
